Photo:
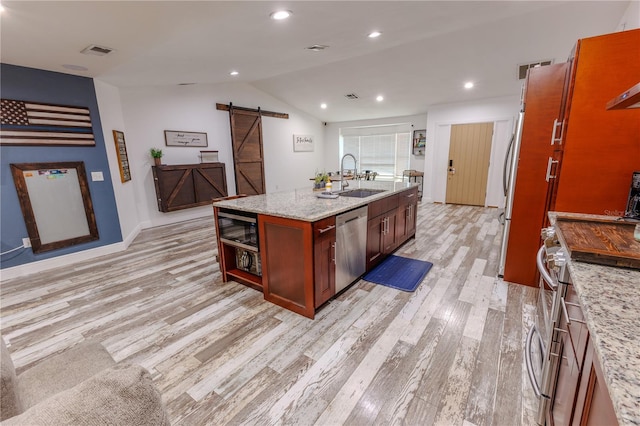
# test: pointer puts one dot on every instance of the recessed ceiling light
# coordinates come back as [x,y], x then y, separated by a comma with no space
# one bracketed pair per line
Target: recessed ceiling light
[1,8]
[374,34]
[281,14]
[234,73]
[468,85]
[75,67]
[380,98]
[323,106]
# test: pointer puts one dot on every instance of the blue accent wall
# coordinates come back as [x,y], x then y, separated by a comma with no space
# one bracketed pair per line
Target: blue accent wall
[29,84]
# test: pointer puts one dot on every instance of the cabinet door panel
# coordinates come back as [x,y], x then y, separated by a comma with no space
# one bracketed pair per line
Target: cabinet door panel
[286,247]
[324,267]
[374,241]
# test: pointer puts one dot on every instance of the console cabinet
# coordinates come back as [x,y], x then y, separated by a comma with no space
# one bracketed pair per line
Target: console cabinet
[184,186]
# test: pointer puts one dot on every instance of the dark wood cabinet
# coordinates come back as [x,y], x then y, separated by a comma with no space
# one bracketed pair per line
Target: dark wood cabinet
[298,262]
[324,258]
[593,404]
[286,247]
[594,150]
[406,215]
[581,396]
[542,101]
[381,229]
[189,185]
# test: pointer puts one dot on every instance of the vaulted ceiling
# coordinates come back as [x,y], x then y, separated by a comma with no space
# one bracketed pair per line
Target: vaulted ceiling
[427,49]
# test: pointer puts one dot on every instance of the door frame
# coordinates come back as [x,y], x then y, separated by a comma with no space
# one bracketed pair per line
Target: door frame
[503,127]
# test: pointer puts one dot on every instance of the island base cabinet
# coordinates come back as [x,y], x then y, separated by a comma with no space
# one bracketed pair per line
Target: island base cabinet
[593,404]
[324,256]
[287,263]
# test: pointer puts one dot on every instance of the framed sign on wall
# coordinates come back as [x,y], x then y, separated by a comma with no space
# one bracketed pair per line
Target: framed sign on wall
[177,138]
[303,143]
[121,153]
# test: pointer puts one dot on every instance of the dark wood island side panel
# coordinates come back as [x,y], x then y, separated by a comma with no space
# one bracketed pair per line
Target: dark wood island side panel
[286,247]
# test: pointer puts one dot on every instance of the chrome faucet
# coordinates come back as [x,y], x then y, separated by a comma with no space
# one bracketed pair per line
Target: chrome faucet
[343,182]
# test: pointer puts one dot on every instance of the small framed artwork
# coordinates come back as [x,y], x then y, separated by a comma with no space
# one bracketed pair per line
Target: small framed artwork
[121,152]
[178,138]
[302,143]
[419,141]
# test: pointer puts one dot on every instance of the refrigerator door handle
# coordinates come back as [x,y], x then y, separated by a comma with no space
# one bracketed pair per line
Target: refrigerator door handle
[557,124]
[549,165]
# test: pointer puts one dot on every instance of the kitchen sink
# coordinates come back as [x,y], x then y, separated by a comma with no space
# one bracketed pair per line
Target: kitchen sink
[361,193]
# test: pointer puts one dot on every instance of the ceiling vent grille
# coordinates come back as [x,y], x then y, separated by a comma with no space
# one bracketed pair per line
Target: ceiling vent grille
[523,68]
[97,50]
[317,47]
[351,96]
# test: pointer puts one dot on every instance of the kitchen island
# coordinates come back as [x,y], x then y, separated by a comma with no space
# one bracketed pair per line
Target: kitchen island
[295,239]
[609,298]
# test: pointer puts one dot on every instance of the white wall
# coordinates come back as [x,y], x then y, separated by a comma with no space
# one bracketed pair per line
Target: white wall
[332,138]
[111,118]
[502,111]
[631,17]
[149,111]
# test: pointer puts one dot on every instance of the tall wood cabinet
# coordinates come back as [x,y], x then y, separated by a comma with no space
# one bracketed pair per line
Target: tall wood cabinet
[541,102]
[576,155]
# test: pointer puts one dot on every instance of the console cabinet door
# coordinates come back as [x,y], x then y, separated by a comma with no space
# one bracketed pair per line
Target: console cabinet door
[324,257]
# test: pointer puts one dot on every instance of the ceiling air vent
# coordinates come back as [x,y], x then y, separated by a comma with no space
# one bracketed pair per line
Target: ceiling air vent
[97,50]
[351,96]
[523,68]
[317,47]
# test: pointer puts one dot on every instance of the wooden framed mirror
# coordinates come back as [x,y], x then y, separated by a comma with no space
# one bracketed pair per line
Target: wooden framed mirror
[56,204]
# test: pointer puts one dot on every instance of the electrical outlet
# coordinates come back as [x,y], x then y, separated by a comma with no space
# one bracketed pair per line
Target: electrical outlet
[26,242]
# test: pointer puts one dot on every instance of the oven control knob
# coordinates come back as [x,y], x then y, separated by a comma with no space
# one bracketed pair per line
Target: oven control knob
[548,233]
[558,260]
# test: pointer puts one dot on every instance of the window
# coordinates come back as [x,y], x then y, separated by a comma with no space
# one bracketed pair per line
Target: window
[382,149]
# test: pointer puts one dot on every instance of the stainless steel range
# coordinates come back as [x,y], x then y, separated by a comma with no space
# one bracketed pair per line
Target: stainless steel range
[544,338]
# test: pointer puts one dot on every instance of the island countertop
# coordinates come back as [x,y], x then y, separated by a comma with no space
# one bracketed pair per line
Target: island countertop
[302,204]
[610,298]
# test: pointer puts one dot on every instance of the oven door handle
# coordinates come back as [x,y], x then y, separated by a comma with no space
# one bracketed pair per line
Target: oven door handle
[527,356]
[543,270]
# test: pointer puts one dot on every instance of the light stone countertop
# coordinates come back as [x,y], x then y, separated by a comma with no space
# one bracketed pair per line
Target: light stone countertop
[302,204]
[610,299]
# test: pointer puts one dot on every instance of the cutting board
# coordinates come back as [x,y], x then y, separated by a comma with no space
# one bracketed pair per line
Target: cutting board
[602,241]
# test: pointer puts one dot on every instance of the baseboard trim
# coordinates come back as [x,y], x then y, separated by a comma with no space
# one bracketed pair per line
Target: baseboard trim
[64,260]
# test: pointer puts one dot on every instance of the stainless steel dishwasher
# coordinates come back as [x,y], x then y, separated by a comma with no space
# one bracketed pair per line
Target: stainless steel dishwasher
[351,246]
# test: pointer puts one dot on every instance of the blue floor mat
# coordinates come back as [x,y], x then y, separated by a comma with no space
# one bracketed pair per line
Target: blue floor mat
[399,272]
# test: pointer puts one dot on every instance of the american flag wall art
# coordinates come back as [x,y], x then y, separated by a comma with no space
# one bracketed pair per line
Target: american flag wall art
[31,123]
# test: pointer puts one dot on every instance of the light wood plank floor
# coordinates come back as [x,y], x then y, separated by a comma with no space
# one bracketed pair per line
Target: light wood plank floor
[448,354]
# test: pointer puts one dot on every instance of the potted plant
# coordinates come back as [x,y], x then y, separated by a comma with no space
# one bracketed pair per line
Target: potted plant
[157,155]
[320,180]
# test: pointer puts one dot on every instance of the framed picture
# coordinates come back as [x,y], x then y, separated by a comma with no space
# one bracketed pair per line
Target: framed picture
[121,152]
[56,204]
[419,141]
[302,143]
[178,138]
